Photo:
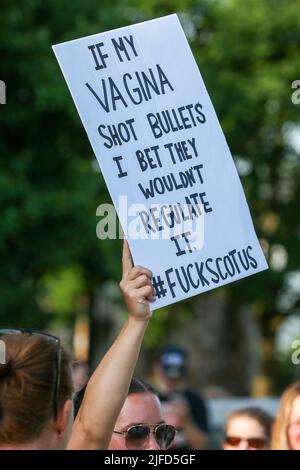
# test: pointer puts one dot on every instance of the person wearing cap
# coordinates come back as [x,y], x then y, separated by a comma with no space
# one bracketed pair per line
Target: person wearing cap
[184,408]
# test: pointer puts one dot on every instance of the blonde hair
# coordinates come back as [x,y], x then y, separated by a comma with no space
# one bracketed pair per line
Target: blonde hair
[280,439]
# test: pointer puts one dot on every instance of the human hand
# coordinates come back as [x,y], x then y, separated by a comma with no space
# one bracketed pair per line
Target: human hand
[136,287]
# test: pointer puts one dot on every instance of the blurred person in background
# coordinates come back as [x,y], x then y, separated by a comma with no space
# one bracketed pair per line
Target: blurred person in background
[286,432]
[36,410]
[182,407]
[248,429]
[140,424]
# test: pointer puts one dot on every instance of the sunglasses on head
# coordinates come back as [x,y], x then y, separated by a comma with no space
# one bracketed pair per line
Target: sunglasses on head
[15,331]
[254,442]
[137,437]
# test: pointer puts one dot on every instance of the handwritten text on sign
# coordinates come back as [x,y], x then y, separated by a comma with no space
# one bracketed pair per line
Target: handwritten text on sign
[158,141]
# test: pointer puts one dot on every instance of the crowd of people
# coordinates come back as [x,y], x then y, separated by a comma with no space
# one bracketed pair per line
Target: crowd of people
[114,410]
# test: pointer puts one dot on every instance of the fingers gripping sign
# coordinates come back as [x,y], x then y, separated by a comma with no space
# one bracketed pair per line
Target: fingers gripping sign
[136,286]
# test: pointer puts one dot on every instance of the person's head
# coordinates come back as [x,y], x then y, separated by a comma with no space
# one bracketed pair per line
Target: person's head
[171,368]
[248,429]
[35,391]
[140,424]
[286,432]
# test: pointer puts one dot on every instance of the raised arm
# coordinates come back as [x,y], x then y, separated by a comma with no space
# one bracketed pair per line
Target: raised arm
[108,387]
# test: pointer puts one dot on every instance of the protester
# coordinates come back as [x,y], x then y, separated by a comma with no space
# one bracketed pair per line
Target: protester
[36,384]
[248,429]
[184,408]
[286,432]
[140,425]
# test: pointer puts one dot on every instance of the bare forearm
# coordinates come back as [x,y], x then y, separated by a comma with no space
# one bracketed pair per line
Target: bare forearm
[107,389]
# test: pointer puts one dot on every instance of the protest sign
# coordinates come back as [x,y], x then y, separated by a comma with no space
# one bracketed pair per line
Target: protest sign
[164,157]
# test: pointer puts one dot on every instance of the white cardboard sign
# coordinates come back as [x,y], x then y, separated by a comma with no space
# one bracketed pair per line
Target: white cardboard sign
[164,157]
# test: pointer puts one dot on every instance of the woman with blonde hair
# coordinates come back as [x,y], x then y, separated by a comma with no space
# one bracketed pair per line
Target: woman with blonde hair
[286,432]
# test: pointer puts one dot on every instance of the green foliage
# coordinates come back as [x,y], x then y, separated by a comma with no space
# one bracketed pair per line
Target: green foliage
[49,190]
[61,293]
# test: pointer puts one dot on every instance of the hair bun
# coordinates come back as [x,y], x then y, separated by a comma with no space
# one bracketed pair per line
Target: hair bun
[6,370]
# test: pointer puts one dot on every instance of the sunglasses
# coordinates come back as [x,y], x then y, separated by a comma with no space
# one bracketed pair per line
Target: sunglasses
[137,437]
[15,331]
[254,442]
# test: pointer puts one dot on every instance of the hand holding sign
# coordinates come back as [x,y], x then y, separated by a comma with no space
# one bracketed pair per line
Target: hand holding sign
[136,286]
